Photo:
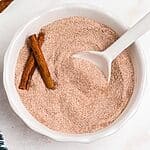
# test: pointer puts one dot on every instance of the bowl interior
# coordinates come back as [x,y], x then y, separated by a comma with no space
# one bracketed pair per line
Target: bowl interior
[33,26]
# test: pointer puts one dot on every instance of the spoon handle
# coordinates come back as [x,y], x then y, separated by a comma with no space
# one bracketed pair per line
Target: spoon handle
[128,37]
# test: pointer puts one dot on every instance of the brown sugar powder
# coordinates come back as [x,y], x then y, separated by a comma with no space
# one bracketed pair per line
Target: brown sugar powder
[83,101]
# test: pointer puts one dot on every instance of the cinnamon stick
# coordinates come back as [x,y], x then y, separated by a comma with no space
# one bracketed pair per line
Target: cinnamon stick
[41,38]
[30,66]
[39,57]
[27,73]
[4,4]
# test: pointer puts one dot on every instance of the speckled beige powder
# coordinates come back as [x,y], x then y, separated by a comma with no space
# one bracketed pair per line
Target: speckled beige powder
[83,101]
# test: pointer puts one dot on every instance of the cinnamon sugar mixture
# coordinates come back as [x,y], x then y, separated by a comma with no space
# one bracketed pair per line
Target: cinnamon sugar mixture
[83,101]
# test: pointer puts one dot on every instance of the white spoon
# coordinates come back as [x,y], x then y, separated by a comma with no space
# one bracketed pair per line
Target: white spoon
[104,59]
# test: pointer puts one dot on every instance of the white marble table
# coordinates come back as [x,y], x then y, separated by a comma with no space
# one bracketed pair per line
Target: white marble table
[135,135]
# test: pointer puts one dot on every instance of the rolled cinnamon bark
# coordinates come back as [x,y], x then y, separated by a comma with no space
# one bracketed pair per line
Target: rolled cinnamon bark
[30,66]
[4,4]
[40,60]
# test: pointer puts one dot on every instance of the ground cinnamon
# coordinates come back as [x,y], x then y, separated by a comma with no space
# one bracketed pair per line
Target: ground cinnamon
[30,66]
[4,4]
[42,65]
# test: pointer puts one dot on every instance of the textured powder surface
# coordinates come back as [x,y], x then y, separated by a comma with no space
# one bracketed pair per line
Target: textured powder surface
[83,101]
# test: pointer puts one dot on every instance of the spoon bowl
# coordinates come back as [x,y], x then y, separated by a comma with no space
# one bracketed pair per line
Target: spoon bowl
[100,59]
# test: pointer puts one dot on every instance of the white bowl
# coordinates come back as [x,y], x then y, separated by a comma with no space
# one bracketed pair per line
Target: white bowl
[33,26]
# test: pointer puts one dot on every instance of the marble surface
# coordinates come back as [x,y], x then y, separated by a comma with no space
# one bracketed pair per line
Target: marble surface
[135,135]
